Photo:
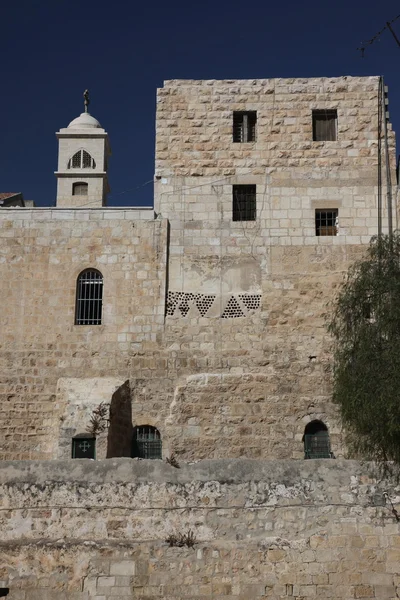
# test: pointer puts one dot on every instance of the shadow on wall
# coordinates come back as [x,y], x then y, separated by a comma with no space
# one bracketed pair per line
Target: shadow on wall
[120,430]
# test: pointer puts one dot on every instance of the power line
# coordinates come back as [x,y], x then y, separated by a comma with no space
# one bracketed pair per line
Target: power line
[131,189]
[378,35]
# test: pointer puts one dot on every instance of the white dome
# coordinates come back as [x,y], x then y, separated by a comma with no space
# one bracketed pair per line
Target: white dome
[84,121]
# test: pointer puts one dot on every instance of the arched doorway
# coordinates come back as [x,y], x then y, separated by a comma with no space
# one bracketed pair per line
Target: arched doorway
[316,440]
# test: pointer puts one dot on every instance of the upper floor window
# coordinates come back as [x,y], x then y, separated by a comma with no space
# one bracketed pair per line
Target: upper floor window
[324,125]
[244,202]
[81,160]
[89,298]
[244,126]
[326,221]
[80,189]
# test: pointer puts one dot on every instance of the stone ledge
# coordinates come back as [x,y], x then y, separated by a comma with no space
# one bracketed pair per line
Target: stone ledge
[230,471]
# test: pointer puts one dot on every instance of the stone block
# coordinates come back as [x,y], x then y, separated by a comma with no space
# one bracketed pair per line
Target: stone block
[125,567]
[105,582]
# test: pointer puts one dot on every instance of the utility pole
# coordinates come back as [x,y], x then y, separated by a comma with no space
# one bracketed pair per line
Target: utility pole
[378,35]
[383,117]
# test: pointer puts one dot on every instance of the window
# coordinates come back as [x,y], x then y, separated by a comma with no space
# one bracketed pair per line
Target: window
[83,446]
[326,221]
[324,125]
[244,126]
[81,160]
[4,592]
[316,440]
[80,189]
[244,202]
[89,298]
[146,442]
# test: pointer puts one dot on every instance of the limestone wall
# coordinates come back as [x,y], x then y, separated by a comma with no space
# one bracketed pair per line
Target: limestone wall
[85,529]
[214,387]
[197,163]
[42,253]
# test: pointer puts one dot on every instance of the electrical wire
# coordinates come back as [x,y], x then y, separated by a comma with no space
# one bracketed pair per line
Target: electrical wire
[377,36]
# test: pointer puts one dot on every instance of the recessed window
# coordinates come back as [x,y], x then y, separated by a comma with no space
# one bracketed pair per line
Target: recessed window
[244,126]
[81,160]
[316,440]
[146,442]
[4,592]
[324,125]
[326,221]
[83,446]
[89,298]
[80,189]
[244,202]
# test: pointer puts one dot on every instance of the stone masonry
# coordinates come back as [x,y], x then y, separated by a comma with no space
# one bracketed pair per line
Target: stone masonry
[215,326]
[75,530]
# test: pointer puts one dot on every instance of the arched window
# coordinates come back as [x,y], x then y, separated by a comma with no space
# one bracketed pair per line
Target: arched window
[80,189]
[81,160]
[89,298]
[316,440]
[146,442]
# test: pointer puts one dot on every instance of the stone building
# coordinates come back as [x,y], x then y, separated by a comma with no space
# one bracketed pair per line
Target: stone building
[197,326]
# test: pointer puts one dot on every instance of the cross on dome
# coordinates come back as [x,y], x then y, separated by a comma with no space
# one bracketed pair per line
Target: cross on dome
[85,119]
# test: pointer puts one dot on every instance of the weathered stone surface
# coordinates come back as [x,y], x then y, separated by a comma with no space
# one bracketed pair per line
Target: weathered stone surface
[84,529]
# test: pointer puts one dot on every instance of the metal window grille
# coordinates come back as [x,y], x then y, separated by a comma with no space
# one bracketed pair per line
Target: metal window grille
[147,442]
[76,160]
[325,221]
[244,202]
[89,298]
[86,160]
[81,160]
[244,126]
[79,189]
[324,125]
[317,445]
[84,447]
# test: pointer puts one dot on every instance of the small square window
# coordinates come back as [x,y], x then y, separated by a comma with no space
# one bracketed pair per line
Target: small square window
[244,202]
[244,126]
[326,221]
[83,447]
[80,189]
[324,125]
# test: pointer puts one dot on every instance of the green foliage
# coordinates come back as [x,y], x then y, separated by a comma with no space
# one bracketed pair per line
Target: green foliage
[98,419]
[366,330]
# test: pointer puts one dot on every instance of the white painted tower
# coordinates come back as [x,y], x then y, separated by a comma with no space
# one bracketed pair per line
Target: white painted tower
[83,154]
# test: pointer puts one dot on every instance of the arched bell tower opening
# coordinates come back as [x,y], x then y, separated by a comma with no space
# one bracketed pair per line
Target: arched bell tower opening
[84,149]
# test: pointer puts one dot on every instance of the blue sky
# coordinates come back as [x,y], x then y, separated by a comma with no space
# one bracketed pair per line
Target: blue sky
[122,51]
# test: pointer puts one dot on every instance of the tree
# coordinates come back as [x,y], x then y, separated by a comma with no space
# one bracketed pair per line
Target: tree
[366,329]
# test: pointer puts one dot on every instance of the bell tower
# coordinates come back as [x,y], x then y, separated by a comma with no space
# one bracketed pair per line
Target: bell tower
[83,154]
